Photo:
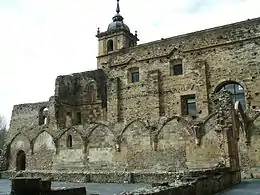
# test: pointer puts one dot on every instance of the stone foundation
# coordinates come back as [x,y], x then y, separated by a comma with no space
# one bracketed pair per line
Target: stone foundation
[210,183]
[121,177]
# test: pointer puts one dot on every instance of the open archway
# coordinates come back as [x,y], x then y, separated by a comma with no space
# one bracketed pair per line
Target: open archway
[20,160]
[237,91]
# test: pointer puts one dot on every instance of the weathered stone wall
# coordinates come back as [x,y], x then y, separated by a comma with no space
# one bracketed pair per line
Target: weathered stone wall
[83,93]
[138,126]
[131,147]
[210,58]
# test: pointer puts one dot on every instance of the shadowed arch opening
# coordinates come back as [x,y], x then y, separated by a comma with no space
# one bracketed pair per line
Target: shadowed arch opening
[20,160]
[110,45]
[236,89]
[43,116]
[69,141]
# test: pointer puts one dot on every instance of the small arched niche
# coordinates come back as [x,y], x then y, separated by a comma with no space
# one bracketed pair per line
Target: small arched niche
[110,45]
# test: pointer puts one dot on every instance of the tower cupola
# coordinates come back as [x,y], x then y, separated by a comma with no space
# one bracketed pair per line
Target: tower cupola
[117,36]
[118,21]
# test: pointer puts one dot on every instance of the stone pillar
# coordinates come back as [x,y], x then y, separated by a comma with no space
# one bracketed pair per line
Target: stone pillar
[113,100]
[154,94]
[203,87]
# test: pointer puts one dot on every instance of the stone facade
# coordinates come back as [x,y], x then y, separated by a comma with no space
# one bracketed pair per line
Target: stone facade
[149,107]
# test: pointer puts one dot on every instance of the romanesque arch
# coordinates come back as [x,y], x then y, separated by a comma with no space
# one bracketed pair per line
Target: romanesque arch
[76,136]
[237,90]
[69,158]
[44,150]
[171,146]
[136,146]
[20,142]
[101,148]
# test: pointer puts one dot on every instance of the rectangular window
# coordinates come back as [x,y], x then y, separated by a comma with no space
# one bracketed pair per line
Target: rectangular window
[189,105]
[78,118]
[176,67]
[135,76]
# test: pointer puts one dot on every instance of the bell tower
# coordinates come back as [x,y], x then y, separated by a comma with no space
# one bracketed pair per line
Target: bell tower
[116,37]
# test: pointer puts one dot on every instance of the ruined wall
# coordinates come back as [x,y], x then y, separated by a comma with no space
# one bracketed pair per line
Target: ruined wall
[83,93]
[115,131]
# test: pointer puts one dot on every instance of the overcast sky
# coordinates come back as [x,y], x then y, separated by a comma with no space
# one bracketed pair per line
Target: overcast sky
[41,39]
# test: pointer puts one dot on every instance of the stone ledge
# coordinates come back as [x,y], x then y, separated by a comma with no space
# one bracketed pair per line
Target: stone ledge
[118,177]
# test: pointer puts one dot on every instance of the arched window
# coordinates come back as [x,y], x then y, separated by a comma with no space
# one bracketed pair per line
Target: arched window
[110,45]
[20,160]
[69,141]
[43,116]
[236,90]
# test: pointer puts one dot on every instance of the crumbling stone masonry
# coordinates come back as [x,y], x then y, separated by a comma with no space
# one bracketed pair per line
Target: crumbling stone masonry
[151,107]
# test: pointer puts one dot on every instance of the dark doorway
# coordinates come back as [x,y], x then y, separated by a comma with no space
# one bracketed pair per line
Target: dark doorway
[20,160]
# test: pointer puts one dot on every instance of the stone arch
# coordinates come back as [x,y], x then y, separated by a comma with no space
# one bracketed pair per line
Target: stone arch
[41,131]
[44,150]
[101,148]
[110,45]
[130,123]
[20,142]
[16,135]
[171,146]
[136,146]
[20,160]
[77,137]
[46,140]
[182,121]
[43,115]
[69,129]
[69,158]
[234,82]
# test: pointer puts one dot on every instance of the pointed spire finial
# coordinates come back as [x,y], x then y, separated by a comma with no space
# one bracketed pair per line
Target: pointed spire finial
[117,7]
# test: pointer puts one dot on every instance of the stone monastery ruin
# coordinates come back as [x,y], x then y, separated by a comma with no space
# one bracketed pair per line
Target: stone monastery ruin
[167,105]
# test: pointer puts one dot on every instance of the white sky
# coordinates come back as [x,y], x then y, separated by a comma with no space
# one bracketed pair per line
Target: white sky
[41,39]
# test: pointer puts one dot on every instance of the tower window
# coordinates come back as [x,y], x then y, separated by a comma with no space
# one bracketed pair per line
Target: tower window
[189,105]
[110,45]
[176,67]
